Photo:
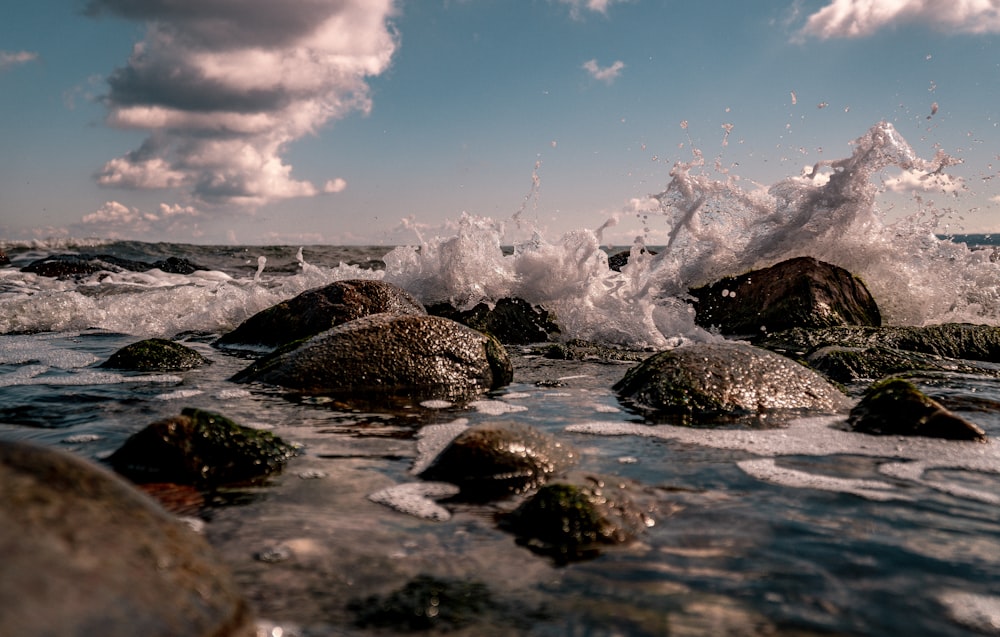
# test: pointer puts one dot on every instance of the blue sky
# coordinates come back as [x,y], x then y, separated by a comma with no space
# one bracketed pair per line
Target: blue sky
[331,121]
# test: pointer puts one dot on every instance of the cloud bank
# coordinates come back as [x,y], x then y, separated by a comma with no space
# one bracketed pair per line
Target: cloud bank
[861,18]
[224,87]
[577,7]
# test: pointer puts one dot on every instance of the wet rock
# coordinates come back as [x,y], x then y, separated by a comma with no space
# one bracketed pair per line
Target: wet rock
[4,259]
[856,364]
[318,310]
[580,350]
[800,292]
[619,260]
[86,554]
[200,448]
[156,355]
[950,340]
[571,520]
[895,407]
[426,603]
[512,321]
[419,357]
[71,265]
[712,379]
[497,459]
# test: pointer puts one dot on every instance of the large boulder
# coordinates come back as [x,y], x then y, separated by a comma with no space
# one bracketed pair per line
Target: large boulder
[499,458]
[895,407]
[86,554]
[720,379]
[414,356]
[200,448]
[573,519]
[800,292]
[318,310]
[155,355]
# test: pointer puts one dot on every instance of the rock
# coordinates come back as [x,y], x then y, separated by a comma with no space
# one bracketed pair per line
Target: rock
[950,340]
[497,459]
[318,310]
[619,260]
[426,603]
[70,265]
[512,321]
[156,355]
[800,292]
[720,379]
[4,259]
[895,407]
[572,520]
[856,364]
[580,350]
[418,357]
[200,448]
[86,554]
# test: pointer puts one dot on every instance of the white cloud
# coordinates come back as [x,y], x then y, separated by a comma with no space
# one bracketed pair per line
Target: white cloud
[113,212]
[860,18]
[223,91]
[335,185]
[920,180]
[606,74]
[116,220]
[577,7]
[13,58]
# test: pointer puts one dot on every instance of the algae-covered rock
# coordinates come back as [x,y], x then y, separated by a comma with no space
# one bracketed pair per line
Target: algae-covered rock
[895,407]
[418,357]
[156,355]
[318,310]
[496,459]
[800,292]
[426,603]
[711,379]
[950,340]
[200,448]
[571,520]
[512,321]
[86,554]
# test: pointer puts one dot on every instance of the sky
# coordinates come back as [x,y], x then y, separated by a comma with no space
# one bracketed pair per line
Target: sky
[369,121]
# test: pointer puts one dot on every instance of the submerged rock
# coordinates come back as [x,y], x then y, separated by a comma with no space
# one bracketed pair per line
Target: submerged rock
[87,554]
[156,355]
[318,310]
[572,520]
[419,357]
[426,603]
[200,448]
[713,379]
[800,292]
[950,340]
[855,364]
[497,459]
[69,265]
[512,321]
[895,407]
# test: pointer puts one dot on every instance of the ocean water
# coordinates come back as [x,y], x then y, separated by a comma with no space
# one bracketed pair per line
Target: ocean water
[802,529]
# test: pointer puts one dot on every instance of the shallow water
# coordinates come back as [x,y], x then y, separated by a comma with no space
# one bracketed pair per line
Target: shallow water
[798,529]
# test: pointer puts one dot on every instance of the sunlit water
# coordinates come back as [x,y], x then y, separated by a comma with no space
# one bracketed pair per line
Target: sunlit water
[801,529]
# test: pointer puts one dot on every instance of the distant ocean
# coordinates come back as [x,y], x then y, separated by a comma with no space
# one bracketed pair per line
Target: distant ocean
[804,529]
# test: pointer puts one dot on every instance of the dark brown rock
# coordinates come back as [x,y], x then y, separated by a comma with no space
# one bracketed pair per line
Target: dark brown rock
[895,407]
[156,355]
[512,321]
[86,554]
[800,292]
[318,310]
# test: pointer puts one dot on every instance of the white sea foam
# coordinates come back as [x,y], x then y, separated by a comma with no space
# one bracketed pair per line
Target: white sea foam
[908,459]
[495,407]
[978,612]
[432,439]
[415,498]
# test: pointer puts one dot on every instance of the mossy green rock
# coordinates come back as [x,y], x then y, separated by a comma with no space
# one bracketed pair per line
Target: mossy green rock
[799,292]
[318,310]
[497,459]
[574,519]
[156,355]
[86,554]
[895,407]
[712,379]
[419,357]
[200,448]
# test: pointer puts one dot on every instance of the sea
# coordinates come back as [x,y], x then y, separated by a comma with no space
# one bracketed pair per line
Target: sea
[800,528]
